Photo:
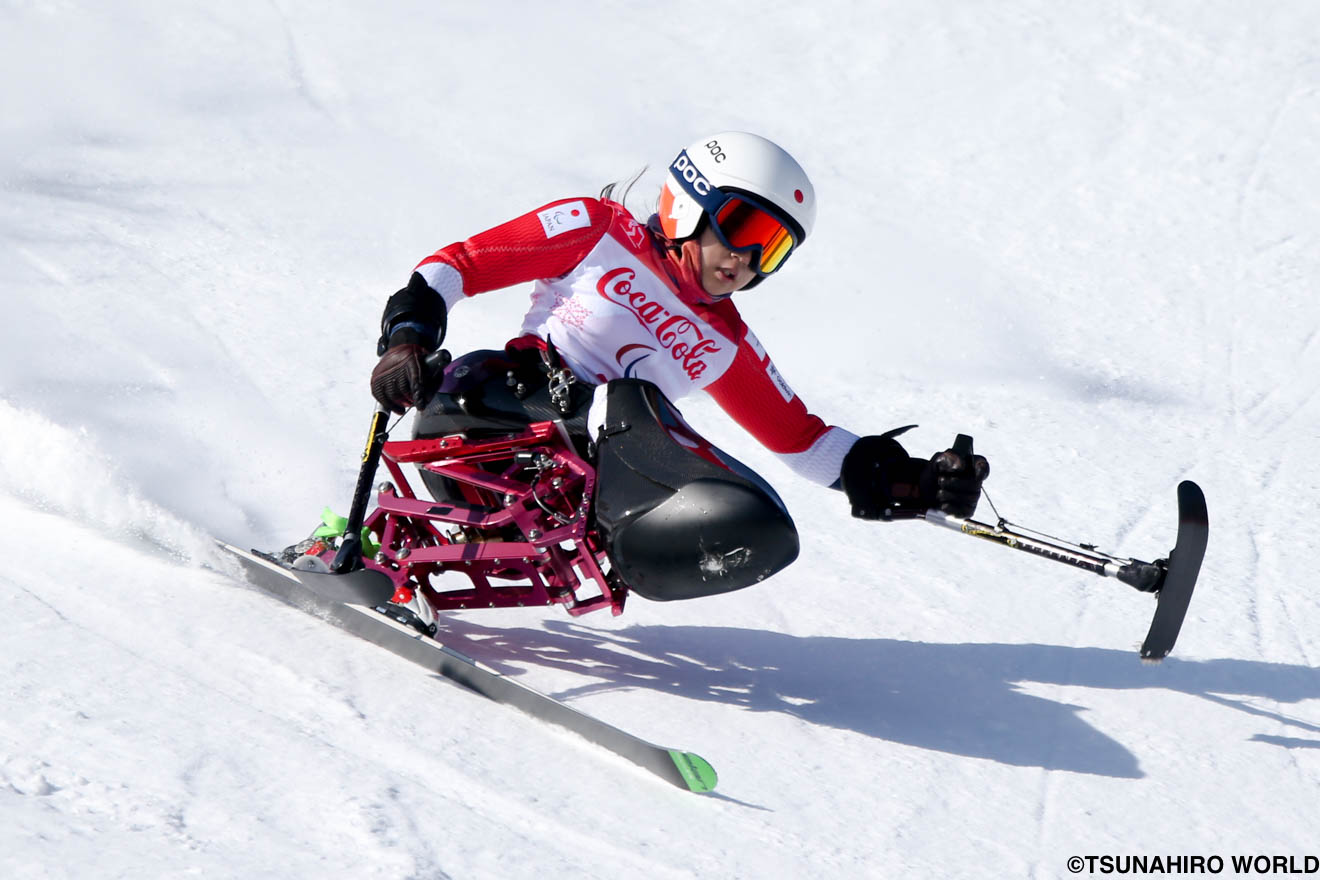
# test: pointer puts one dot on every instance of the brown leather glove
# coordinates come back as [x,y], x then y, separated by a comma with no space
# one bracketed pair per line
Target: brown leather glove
[401,380]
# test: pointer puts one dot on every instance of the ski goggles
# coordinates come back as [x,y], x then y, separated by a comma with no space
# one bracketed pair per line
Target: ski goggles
[740,221]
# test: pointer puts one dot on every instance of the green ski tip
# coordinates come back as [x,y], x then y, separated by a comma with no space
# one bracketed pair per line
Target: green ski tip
[695,770]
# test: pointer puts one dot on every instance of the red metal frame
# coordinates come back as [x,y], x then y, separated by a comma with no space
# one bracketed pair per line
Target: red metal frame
[522,537]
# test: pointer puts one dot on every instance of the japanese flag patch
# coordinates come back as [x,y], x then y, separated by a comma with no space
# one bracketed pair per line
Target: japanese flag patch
[563,218]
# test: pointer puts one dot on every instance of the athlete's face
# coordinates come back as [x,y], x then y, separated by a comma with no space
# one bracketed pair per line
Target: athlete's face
[722,270]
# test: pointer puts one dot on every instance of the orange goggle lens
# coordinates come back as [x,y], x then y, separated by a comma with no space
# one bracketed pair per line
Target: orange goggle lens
[744,225]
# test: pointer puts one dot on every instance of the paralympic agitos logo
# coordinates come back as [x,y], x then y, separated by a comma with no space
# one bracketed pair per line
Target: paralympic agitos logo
[680,336]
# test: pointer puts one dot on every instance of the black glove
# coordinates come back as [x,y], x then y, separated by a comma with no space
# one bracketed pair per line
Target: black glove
[951,482]
[883,482]
[414,315]
[401,379]
[412,326]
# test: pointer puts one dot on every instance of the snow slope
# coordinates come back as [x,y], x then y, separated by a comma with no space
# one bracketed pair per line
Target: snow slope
[1084,233]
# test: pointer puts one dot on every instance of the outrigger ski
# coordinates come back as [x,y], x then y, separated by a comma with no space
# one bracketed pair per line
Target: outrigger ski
[1171,580]
[350,601]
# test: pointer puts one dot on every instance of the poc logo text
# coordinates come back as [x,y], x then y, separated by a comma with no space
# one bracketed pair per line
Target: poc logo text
[685,169]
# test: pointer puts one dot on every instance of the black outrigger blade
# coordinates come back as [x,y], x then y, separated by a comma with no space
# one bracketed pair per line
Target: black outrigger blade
[1172,580]
[1180,572]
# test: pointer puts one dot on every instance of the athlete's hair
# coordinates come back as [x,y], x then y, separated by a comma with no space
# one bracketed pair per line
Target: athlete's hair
[607,191]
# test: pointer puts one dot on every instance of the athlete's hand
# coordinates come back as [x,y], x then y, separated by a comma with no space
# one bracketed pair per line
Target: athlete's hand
[401,379]
[951,482]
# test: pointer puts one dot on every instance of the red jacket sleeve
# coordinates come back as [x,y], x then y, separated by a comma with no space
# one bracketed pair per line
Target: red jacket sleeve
[753,393]
[545,243]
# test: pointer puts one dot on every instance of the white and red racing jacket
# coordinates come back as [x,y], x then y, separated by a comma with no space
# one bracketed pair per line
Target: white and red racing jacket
[617,304]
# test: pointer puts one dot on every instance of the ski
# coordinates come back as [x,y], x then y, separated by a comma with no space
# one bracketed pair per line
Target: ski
[312,592]
[1184,565]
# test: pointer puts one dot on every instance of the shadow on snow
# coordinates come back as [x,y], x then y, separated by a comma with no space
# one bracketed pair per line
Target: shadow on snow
[963,699]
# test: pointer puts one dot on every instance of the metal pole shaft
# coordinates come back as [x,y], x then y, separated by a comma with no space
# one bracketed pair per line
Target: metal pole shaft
[1141,575]
[350,548]
[349,555]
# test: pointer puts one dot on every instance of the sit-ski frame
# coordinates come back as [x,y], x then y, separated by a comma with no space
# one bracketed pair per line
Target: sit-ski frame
[531,546]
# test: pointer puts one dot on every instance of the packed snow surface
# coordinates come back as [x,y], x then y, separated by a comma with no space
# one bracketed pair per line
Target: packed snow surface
[1085,233]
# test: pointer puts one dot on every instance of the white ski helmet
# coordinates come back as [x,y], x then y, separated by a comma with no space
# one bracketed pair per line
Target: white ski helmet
[702,177]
